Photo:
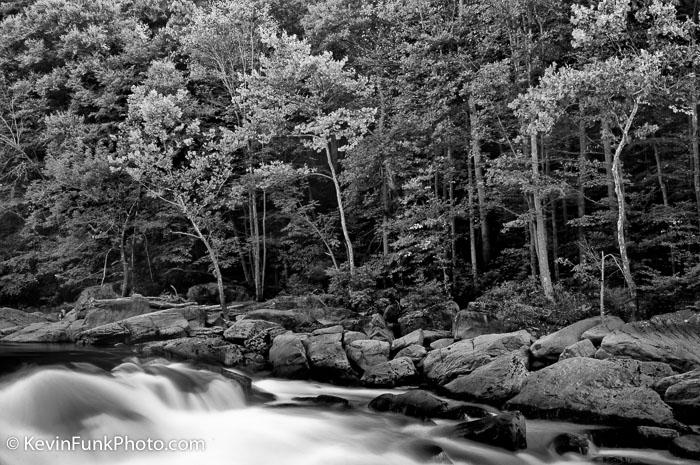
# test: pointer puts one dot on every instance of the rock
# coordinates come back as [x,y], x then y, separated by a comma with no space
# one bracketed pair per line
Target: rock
[677,344]
[681,316]
[684,397]
[438,317]
[164,324]
[328,330]
[376,328]
[495,382]
[441,343]
[583,348]
[11,318]
[590,390]
[291,319]
[570,442]
[469,324]
[327,358]
[241,331]
[552,345]
[205,349]
[424,405]
[102,312]
[664,383]
[598,332]
[288,356]
[396,372]
[214,331]
[414,337]
[432,335]
[351,336]
[208,293]
[366,353]
[463,357]
[506,430]
[42,332]
[687,447]
[654,437]
[325,401]
[415,352]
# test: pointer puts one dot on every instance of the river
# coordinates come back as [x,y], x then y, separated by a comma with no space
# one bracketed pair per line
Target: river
[68,405]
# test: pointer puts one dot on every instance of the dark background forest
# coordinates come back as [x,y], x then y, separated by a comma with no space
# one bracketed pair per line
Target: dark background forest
[382,152]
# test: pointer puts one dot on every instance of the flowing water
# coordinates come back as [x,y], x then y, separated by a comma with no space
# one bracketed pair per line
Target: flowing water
[95,408]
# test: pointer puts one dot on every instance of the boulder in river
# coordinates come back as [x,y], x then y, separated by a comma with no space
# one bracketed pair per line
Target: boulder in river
[684,397]
[11,318]
[204,349]
[424,405]
[350,336]
[687,447]
[327,358]
[493,383]
[599,391]
[288,356]
[415,352]
[368,352]
[292,320]
[506,430]
[675,343]
[59,331]
[396,372]
[164,324]
[552,345]
[461,358]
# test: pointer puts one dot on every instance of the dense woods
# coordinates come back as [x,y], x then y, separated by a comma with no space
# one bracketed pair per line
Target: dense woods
[381,151]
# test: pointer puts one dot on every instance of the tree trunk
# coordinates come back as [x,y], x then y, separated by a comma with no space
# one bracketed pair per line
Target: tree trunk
[540,228]
[660,176]
[215,263]
[341,209]
[581,194]
[479,177]
[385,214]
[255,233]
[606,138]
[472,229]
[553,200]
[125,263]
[696,152]
[621,208]
[453,216]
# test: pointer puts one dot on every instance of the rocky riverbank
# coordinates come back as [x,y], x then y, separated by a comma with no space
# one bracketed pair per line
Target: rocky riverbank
[642,378]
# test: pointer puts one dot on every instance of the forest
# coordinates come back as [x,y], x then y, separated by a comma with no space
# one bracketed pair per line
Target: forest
[541,154]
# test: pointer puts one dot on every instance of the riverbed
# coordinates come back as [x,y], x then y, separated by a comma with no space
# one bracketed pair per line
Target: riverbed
[72,405]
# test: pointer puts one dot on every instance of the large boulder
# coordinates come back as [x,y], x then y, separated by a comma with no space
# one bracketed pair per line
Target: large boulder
[396,372]
[243,330]
[327,358]
[415,352]
[675,343]
[203,349]
[684,397]
[208,293]
[591,390]
[469,324]
[552,345]
[366,353]
[415,337]
[11,318]
[351,336]
[687,447]
[506,430]
[463,357]
[288,356]
[164,324]
[436,317]
[100,312]
[424,405]
[495,382]
[597,333]
[583,348]
[59,331]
